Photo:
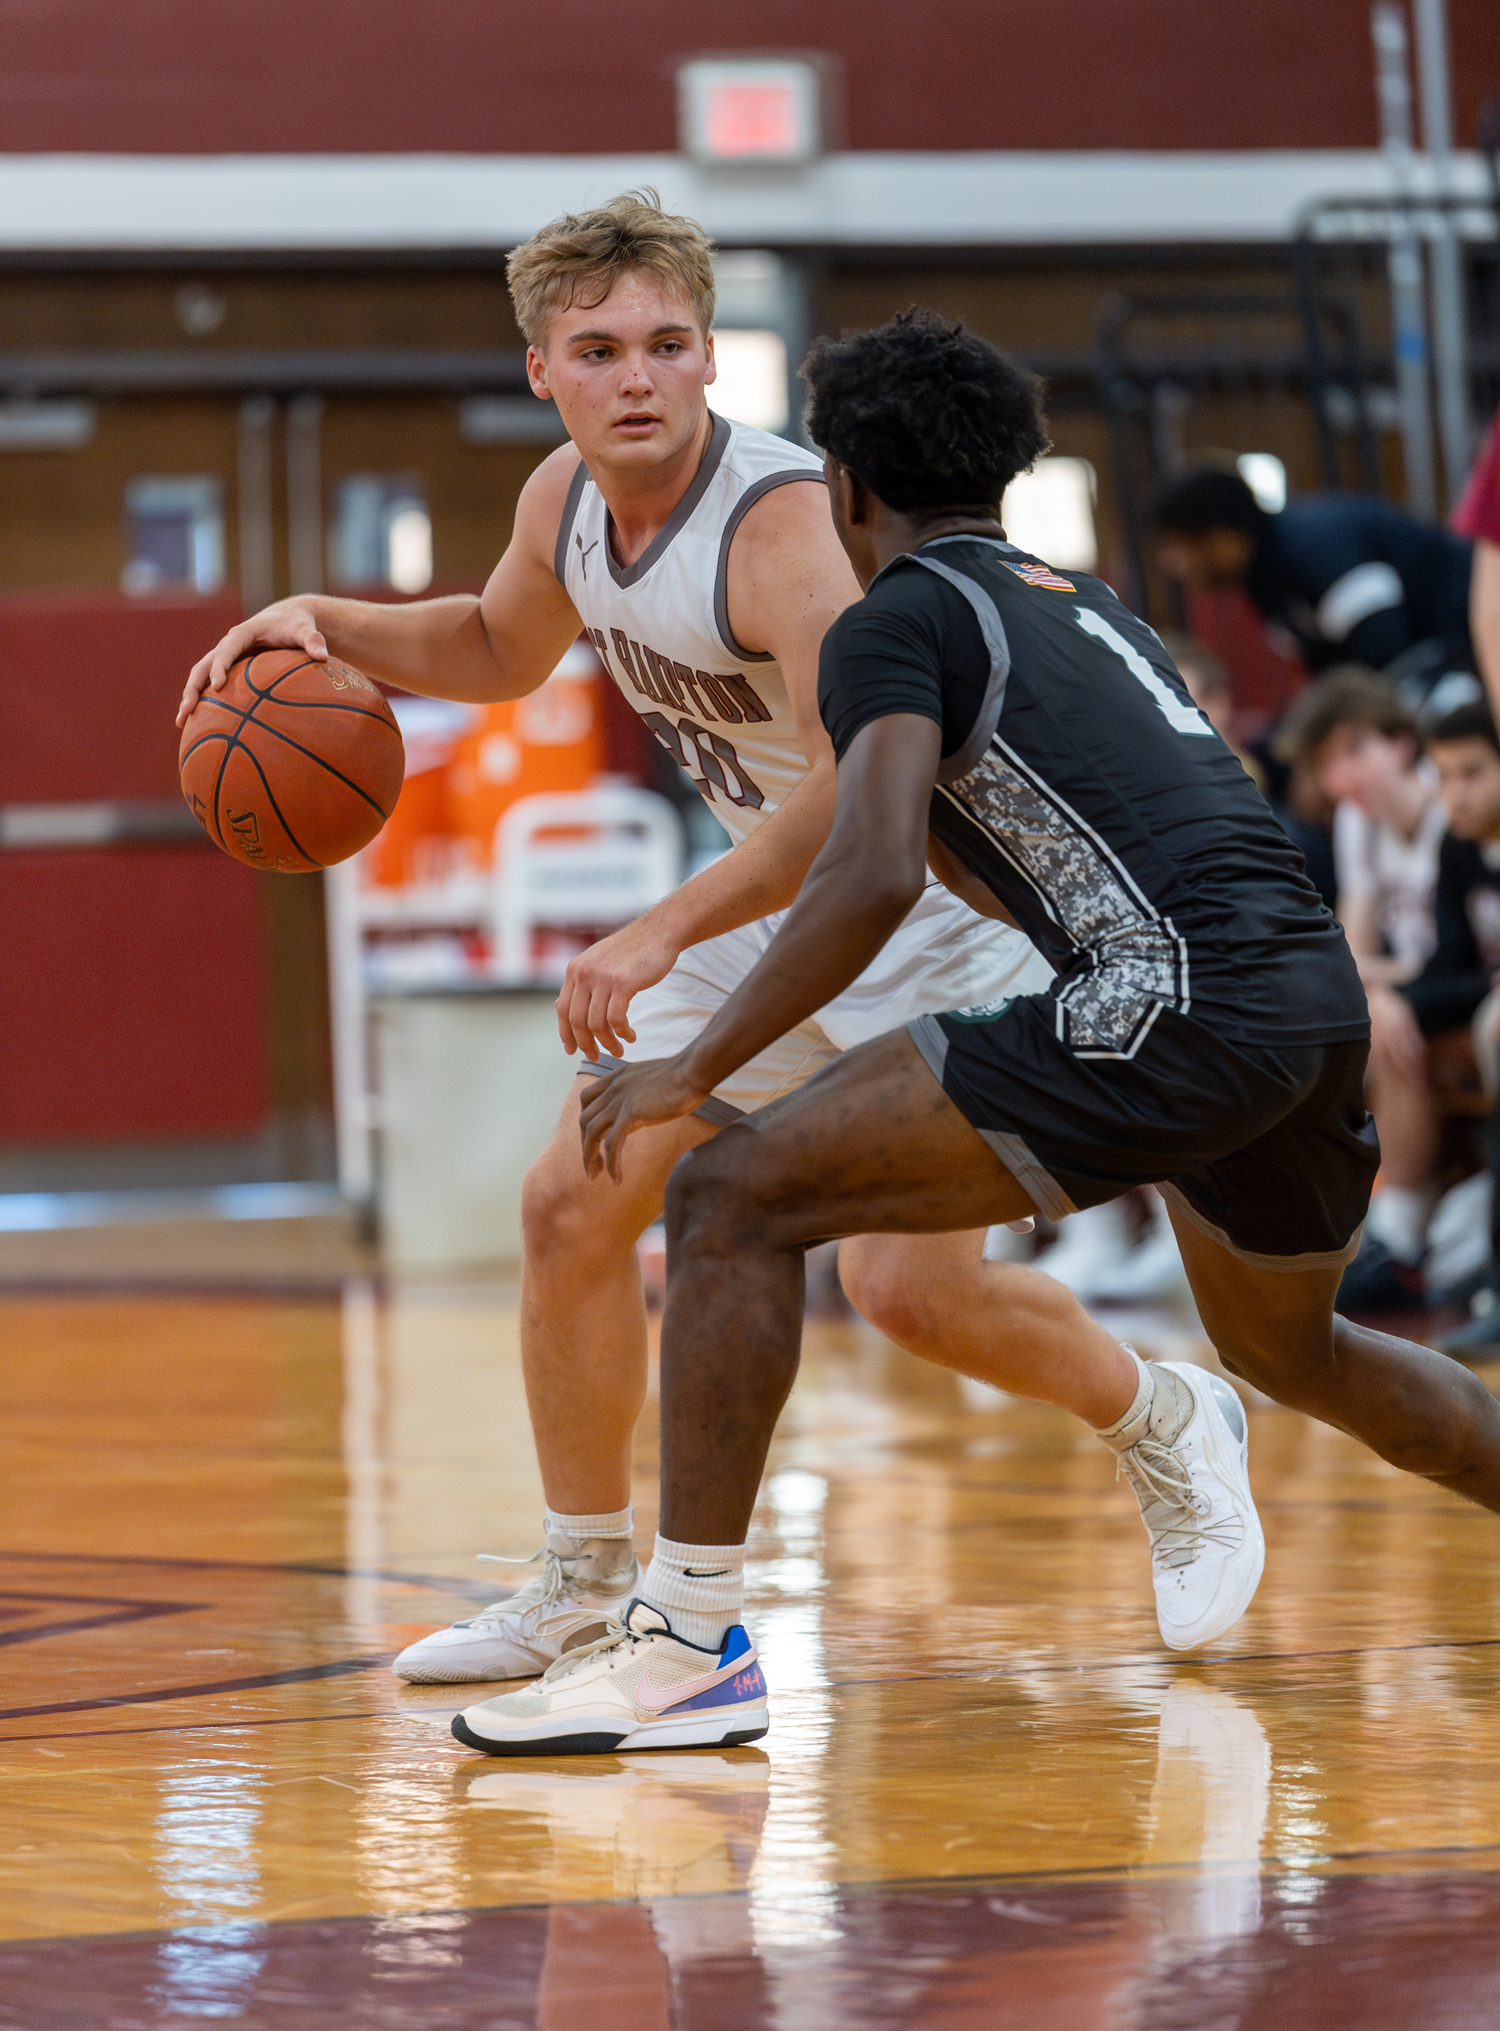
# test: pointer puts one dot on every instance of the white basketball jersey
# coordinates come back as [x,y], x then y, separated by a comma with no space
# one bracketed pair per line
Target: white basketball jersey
[661,627]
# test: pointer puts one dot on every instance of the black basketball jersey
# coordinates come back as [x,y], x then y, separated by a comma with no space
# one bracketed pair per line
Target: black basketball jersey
[1083,786]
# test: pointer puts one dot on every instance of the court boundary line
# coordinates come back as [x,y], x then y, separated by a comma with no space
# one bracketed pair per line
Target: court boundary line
[305,1674]
[102,1558]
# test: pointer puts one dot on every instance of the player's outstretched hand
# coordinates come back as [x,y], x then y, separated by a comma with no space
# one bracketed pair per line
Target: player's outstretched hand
[628,1097]
[287,625]
[601,983]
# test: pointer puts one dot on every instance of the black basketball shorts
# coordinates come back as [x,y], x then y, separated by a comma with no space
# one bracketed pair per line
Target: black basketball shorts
[1271,1152]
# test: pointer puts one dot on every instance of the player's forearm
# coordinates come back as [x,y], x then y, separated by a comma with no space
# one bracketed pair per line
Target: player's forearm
[845,914]
[761,875]
[436,647]
[1484,617]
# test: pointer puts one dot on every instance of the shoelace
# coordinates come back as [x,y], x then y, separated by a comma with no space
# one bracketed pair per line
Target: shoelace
[550,1585]
[1171,1508]
[614,1633]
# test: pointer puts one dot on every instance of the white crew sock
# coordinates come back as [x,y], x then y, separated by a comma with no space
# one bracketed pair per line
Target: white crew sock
[603,1523]
[1162,1405]
[1140,1403]
[700,1588]
[1398,1216]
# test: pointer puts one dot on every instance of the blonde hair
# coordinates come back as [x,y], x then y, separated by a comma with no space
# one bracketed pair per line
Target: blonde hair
[579,257]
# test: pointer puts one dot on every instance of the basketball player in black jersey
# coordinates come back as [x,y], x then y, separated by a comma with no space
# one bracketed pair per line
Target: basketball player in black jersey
[1206,1032]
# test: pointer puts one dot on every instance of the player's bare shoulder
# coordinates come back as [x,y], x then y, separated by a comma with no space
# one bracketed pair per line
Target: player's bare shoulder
[539,511]
[524,605]
[786,566]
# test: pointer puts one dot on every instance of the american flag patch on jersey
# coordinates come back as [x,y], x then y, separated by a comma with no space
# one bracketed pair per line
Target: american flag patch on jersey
[1040,574]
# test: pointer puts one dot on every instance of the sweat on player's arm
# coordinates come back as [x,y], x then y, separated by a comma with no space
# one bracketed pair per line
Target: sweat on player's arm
[859,888]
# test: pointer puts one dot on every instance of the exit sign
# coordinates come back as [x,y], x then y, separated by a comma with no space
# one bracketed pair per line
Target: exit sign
[750,110]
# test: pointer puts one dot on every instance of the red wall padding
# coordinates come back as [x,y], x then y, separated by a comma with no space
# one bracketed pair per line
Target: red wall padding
[133,991]
[324,76]
[132,1002]
[89,684]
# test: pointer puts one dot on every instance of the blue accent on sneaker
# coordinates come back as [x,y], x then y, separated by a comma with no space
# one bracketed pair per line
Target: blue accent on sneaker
[736,1643]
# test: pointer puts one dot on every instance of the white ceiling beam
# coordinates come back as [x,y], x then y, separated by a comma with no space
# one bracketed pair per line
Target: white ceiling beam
[183,203]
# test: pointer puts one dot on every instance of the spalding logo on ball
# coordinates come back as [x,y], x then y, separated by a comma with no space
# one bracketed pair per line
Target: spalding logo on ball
[294,764]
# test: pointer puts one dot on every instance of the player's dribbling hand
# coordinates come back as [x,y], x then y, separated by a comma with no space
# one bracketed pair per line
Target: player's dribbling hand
[628,1097]
[287,625]
[600,984]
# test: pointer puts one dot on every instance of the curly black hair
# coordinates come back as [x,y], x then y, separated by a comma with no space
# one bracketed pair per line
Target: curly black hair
[927,414]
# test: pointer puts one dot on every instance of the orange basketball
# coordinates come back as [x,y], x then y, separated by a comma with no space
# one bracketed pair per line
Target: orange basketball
[294,764]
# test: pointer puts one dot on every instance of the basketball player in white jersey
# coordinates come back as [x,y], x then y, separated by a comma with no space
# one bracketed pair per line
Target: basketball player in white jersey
[700,558]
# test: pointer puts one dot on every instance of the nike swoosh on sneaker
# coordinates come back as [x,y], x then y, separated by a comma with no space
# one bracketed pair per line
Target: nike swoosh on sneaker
[656,1699]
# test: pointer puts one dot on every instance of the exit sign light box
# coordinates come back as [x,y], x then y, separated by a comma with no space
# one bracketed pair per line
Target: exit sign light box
[750,110]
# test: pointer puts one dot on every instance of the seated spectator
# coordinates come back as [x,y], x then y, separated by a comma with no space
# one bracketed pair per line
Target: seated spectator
[1456,988]
[1351,579]
[1477,516]
[1360,743]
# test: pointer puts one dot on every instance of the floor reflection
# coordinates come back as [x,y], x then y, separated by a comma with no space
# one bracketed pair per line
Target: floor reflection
[649,1827]
[989,1800]
[1208,1812]
[206,1859]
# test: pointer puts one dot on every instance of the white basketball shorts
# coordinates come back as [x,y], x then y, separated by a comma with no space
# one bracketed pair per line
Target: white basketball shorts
[940,957]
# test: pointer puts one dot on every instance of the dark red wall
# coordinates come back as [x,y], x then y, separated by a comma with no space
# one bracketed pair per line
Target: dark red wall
[212,76]
[133,989]
[133,1003]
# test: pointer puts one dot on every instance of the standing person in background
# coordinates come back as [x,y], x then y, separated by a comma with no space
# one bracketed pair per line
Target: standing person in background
[1350,578]
[1360,742]
[1477,516]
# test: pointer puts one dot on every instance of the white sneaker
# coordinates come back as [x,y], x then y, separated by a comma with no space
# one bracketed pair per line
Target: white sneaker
[637,1687]
[583,1584]
[1190,1472]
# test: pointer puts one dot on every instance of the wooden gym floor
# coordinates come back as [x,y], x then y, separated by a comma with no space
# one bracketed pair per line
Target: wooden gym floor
[989,1800]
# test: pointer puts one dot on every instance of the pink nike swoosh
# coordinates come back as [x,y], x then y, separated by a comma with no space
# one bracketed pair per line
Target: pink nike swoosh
[656,1699]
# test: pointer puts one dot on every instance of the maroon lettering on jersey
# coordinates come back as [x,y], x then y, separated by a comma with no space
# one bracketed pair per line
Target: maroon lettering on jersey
[713,754]
[596,636]
[689,684]
[648,682]
[667,687]
[628,667]
[622,650]
[723,705]
[744,697]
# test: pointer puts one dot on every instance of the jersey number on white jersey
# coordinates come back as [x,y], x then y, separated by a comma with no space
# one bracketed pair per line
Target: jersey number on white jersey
[689,744]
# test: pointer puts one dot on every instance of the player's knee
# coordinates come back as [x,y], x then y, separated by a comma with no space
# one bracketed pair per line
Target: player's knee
[713,1203]
[558,1216]
[1265,1363]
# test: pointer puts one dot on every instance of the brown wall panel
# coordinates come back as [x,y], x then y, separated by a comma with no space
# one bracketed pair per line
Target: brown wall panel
[309,308]
[472,490]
